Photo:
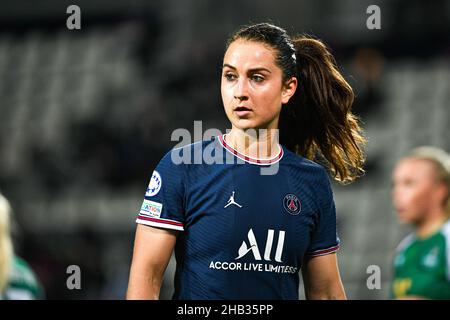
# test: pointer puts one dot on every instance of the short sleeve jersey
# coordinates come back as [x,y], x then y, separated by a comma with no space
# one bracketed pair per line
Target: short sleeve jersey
[23,283]
[246,225]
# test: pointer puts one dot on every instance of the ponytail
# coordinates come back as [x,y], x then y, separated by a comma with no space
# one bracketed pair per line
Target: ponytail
[317,123]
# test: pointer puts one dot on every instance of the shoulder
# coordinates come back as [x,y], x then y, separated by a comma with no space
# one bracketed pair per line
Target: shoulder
[304,164]
[176,166]
[22,272]
[307,171]
[406,242]
[23,283]
[188,154]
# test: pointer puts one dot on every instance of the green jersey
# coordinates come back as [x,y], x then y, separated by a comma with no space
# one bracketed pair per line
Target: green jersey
[23,284]
[422,266]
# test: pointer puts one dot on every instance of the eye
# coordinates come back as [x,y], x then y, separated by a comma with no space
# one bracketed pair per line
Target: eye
[230,76]
[257,78]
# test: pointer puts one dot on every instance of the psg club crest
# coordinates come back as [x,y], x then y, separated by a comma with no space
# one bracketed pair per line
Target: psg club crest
[154,185]
[292,204]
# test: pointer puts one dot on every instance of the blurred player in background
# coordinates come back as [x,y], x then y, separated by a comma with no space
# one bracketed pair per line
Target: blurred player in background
[421,196]
[240,234]
[17,280]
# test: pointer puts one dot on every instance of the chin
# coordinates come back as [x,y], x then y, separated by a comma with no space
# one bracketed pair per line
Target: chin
[245,124]
[407,219]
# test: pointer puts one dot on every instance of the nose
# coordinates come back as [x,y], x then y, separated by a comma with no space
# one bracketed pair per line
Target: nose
[241,90]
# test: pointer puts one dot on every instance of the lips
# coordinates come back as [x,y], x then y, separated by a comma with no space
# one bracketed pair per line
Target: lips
[242,112]
[242,108]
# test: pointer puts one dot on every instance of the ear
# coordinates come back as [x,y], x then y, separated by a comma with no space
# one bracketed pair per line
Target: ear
[288,90]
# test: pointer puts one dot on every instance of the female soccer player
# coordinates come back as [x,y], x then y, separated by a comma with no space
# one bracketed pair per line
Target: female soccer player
[240,232]
[421,196]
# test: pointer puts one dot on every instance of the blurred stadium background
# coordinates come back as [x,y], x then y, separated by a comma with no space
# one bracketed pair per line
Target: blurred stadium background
[85,116]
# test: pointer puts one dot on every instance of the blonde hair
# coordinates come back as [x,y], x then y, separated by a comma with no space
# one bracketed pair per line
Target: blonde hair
[441,161]
[6,248]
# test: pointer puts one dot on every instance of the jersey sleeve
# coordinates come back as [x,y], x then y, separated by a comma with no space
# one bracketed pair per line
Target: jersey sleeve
[163,204]
[324,239]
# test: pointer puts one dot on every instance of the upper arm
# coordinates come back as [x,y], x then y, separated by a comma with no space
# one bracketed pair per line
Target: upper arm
[153,248]
[321,277]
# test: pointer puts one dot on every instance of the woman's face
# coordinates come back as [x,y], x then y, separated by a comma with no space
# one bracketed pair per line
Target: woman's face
[252,86]
[414,190]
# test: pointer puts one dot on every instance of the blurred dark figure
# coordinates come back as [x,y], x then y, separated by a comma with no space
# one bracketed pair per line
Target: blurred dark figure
[368,66]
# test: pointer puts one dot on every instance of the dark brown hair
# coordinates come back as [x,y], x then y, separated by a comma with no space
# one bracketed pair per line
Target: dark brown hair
[317,123]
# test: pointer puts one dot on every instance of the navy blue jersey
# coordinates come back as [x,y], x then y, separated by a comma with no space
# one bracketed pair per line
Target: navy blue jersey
[244,235]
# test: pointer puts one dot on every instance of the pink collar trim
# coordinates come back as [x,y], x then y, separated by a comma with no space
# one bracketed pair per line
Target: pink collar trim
[250,159]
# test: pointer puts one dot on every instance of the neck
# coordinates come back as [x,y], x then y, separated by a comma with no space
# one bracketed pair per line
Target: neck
[429,226]
[258,143]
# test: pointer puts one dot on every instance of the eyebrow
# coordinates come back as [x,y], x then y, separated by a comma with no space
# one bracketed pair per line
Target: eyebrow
[251,70]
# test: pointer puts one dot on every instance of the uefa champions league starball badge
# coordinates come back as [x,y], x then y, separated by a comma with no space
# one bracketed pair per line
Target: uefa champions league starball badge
[155,185]
[292,204]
